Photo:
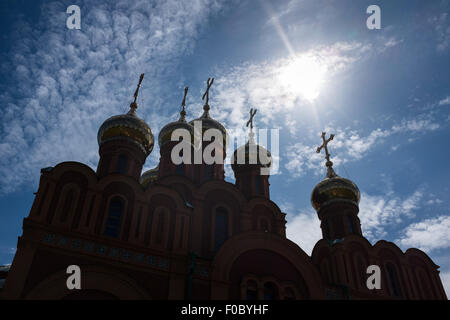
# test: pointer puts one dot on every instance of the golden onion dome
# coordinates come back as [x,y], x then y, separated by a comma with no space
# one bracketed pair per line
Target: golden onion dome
[165,134]
[149,176]
[209,123]
[334,189]
[254,154]
[129,127]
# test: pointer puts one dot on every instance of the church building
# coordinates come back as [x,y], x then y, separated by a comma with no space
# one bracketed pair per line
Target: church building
[180,231]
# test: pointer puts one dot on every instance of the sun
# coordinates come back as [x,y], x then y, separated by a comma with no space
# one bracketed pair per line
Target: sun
[303,76]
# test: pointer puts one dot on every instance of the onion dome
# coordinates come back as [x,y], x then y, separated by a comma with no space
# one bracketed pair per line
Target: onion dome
[253,154]
[333,188]
[149,176]
[208,122]
[166,132]
[128,127]
[205,118]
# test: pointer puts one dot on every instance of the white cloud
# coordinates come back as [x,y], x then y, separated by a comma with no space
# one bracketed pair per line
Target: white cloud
[391,42]
[434,201]
[442,29]
[377,212]
[269,86]
[304,229]
[429,234]
[302,158]
[67,82]
[415,125]
[350,144]
[445,101]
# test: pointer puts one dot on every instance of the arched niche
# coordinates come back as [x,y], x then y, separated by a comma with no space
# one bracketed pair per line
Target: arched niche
[272,270]
[297,263]
[97,281]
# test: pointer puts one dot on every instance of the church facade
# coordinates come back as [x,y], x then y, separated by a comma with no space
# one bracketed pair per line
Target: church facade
[183,232]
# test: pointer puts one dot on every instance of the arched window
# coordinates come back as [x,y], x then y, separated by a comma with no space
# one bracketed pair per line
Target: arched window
[122,164]
[67,205]
[160,227]
[258,185]
[393,280]
[138,224]
[220,227]
[326,229]
[270,291]
[114,219]
[351,224]
[252,291]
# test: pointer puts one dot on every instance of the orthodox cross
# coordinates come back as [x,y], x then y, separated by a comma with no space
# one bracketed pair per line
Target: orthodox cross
[206,94]
[324,146]
[183,104]
[252,114]
[133,105]
[251,135]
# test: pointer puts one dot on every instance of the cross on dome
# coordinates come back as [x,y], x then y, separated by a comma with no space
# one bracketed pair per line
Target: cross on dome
[329,163]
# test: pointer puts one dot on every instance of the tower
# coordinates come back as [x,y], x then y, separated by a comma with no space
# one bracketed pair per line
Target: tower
[210,130]
[336,201]
[249,162]
[185,132]
[124,142]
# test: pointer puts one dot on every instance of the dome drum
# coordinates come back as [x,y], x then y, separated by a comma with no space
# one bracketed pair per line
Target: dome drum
[149,177]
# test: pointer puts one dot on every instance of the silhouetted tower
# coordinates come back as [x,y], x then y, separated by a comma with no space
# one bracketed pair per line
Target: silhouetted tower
[124,142]
[336,201]
[251,165]
[207,171]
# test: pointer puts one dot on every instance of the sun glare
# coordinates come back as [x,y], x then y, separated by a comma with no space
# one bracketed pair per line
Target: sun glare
[303,76]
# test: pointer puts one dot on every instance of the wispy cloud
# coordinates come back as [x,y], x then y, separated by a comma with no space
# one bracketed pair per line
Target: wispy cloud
[276,87]
[429,234]
[65,83]
[377,212]
[445,101]
[351,144]
[441,24]
[7,250]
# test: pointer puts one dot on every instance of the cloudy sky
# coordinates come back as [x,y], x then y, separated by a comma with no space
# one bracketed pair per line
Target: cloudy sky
[307,66]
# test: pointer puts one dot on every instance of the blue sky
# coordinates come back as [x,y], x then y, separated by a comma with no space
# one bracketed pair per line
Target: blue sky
[307,66]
